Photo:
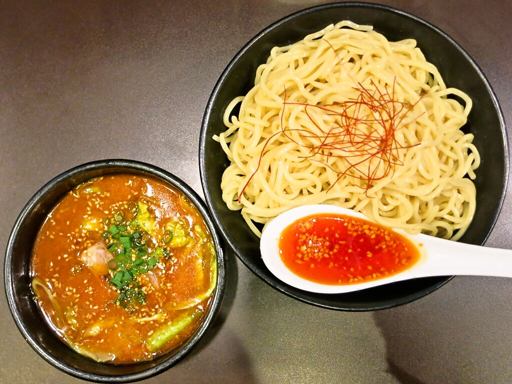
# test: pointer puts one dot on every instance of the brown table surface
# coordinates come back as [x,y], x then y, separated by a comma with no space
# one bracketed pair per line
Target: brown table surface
[86,80]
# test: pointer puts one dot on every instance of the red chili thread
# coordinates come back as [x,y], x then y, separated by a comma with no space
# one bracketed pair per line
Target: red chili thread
[363,134]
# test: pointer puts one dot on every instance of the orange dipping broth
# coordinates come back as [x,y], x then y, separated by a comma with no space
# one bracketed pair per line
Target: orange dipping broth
[82,304]
[340,249]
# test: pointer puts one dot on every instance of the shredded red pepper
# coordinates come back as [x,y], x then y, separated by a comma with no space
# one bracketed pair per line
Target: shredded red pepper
[362,132]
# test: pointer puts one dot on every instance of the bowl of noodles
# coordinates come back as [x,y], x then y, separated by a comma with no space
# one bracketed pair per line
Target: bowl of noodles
[362,106]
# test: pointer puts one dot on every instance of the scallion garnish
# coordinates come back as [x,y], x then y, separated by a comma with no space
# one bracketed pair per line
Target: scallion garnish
[134,254]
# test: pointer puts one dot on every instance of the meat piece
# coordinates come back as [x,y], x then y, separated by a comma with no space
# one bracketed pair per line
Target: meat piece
[96,258]
[153,280]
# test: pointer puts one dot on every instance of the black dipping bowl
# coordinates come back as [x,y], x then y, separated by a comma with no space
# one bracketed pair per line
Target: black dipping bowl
[25,311]
[458,70]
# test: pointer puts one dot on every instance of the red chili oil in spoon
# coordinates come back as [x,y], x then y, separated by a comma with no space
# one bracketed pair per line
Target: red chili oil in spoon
[340,249]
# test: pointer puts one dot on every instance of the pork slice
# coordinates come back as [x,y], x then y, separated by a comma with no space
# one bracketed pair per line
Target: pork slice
[96,258]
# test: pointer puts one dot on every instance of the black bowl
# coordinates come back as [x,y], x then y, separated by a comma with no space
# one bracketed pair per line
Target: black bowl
[458,69]
[25,311]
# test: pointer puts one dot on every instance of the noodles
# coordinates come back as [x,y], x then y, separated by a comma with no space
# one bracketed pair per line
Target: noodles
[347,117]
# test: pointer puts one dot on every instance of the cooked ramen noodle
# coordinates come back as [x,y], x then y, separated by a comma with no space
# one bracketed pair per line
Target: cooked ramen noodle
[347,117]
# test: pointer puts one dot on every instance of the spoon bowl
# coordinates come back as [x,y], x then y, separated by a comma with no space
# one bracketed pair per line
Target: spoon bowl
[437,257]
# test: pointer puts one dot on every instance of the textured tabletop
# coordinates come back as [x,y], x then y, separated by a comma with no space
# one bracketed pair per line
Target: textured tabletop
[86,80]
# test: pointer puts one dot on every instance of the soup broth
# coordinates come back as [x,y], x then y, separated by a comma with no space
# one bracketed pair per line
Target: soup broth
[123,268]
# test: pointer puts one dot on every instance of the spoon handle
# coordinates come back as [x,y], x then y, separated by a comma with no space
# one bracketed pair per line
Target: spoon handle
[447,257]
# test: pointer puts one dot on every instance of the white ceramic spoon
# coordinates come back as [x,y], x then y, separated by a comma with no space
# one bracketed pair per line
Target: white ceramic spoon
[438,257]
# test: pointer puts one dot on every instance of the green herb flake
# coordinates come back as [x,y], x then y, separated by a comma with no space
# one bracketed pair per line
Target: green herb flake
[117,280]
[126,243]
[113,229]
[152,261]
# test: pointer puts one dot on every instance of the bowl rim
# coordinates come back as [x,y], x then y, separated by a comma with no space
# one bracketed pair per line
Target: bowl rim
[124,166]
[280,286]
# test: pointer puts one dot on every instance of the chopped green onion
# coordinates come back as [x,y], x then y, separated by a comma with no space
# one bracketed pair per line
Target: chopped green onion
[152,262]
[117,279]
[113,229]
[127,244]
[138,262]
